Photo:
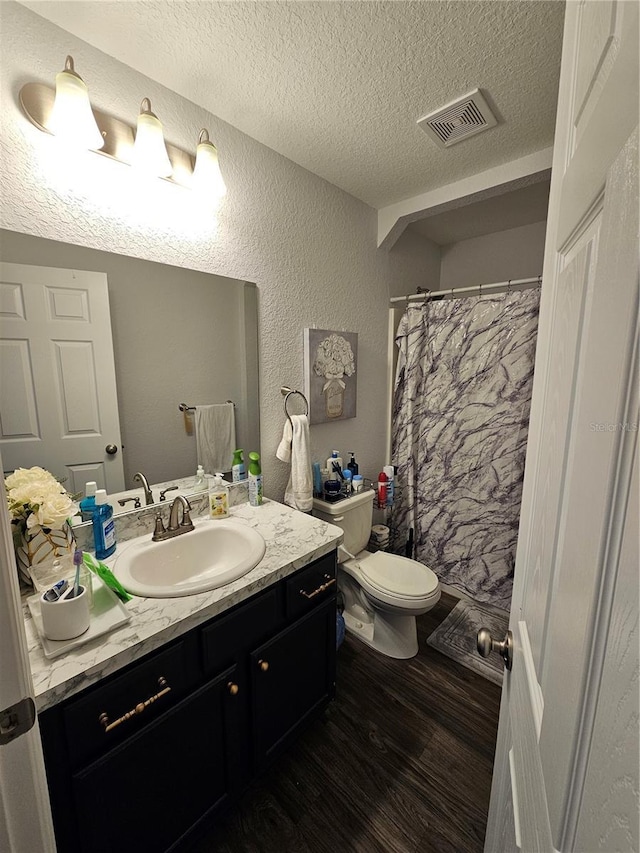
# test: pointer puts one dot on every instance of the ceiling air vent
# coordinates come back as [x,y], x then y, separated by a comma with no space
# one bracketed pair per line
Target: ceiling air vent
[458,120]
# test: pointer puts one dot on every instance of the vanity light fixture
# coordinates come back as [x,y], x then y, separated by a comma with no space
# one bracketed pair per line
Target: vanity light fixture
[71,117]
[149,151]
[144,147]
[207,177]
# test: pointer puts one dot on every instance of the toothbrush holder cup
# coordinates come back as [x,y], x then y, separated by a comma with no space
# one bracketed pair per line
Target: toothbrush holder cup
[66,618]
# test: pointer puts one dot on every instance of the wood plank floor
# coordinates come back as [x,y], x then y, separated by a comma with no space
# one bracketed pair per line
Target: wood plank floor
[401,762]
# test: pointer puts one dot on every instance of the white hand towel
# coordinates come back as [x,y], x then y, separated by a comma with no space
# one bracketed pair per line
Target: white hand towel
[299,491]
[215,436]
[284,448]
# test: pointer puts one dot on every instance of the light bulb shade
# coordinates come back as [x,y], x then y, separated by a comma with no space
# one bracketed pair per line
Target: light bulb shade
[149,151]
[71,117]
[207,177]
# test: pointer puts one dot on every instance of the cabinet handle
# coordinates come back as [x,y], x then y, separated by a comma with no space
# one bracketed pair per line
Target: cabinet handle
[232,688]
[321,588]
[264,665]
[139,708]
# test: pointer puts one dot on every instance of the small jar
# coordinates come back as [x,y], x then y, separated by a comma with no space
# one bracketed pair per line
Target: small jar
[358,483]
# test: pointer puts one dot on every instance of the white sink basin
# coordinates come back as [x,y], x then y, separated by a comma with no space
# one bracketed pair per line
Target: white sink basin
[215,553]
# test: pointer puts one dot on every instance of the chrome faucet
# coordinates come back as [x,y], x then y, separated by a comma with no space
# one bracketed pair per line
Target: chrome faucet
[148,494]
[161,532]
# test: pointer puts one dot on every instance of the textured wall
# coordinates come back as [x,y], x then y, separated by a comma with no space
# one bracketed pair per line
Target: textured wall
[516,253]
[310,247]
[416,264]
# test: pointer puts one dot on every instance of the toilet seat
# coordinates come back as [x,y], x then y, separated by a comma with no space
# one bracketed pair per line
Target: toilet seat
[395,581]
[398,576]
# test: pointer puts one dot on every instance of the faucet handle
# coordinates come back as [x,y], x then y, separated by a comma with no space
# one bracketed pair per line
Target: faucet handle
[163,493]
[159,531]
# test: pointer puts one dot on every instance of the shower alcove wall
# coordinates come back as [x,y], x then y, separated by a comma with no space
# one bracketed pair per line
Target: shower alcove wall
[451,515]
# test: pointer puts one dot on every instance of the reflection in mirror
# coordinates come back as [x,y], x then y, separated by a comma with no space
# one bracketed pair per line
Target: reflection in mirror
[178,335]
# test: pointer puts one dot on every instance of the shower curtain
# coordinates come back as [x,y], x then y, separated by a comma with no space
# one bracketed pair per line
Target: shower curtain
[460,420]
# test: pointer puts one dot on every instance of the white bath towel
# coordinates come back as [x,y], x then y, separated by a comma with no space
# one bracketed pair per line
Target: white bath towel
[284,448]
[299,491]
[215,436]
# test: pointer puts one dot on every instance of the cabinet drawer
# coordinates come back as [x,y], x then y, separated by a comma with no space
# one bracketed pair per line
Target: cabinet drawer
[232,635]
[310,586]
[112,711]
[149,792]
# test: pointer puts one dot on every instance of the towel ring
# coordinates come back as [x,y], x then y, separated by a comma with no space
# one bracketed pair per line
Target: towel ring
[289,392]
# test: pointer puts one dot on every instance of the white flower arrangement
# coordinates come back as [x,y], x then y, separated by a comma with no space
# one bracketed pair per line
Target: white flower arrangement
[334,358]
[35,497]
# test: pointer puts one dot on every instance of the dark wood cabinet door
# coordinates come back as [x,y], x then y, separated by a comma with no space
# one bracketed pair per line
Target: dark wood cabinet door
[292,678]
[148,792]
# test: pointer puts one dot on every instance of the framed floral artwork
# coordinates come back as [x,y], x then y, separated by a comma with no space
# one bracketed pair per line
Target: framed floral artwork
[330,371]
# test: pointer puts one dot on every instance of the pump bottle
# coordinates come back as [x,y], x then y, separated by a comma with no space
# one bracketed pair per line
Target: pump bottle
[218,498]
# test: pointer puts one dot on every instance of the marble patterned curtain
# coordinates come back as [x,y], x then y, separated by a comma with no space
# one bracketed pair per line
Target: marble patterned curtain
[460,421]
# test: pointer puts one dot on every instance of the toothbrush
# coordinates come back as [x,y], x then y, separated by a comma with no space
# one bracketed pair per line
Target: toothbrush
[77,562]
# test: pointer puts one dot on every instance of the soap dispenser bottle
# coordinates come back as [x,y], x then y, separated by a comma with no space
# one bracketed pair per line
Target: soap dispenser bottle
[200,480]
[218,498]
[104,529]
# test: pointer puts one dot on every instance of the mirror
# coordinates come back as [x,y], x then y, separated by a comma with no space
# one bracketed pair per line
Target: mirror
[179,336]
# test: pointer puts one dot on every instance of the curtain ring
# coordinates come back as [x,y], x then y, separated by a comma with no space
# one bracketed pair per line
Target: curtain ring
[480,289]
[509,287]
[451,293]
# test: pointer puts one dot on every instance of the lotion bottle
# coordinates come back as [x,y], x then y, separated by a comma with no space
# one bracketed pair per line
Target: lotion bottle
[255,479]
[218,498]
[334,459]
[104,529]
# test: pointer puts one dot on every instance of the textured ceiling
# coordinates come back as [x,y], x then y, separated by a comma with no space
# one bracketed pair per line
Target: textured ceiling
[337,87]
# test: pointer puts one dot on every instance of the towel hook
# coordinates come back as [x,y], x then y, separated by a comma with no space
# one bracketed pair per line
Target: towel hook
[289,392]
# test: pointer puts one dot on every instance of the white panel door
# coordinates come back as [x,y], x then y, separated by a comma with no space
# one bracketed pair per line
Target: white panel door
[566,771]
[58,402]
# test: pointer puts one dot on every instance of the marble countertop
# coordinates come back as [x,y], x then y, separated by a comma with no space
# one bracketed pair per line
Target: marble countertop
[293,540]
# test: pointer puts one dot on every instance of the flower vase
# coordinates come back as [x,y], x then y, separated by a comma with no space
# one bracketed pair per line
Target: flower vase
[334,398]
[37,545]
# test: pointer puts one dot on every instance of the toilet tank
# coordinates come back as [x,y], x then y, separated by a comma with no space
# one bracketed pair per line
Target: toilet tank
[353,515]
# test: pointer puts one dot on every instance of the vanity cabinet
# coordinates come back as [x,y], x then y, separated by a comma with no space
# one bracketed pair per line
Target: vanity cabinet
[145,758]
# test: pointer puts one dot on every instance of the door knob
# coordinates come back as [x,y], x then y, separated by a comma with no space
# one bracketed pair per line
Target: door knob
[111,449]
[486,645]
[264,665]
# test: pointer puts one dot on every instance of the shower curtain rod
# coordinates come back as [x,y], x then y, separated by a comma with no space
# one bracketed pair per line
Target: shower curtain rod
[476,288]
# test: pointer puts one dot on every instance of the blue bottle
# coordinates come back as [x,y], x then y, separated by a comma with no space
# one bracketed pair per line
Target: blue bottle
[88,502]
[104,529]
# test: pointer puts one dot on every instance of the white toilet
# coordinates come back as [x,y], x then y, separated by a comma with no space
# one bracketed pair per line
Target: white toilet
[383,593]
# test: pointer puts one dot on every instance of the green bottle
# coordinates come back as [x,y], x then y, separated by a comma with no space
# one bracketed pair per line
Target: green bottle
[237,467]
[255,479]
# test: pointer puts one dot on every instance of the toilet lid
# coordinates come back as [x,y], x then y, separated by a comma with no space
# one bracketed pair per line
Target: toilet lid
[398,575]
